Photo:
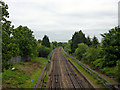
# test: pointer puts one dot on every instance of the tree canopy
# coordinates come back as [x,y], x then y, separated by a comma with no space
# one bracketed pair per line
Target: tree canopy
[77,38]
[45,41]
[111,46]
[27,44]
[95,41]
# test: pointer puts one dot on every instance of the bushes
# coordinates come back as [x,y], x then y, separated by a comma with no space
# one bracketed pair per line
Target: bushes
[117,73]
[109,71]
[43,51]
[99,63]
[91,55]
[111,46]
[79,52]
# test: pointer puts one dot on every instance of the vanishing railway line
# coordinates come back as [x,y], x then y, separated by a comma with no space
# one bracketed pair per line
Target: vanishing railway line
[62,74]
[72,75]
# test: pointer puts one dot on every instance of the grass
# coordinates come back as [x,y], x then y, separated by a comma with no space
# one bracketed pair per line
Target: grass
[14,79]
[88,75]
[45,81]
[46,76]
[23,74]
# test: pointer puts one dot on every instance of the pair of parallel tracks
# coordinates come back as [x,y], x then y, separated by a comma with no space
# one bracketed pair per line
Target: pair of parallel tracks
[76,82]
[55,76]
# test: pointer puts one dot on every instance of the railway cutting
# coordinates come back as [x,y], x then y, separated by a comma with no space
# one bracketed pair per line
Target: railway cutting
[62,73]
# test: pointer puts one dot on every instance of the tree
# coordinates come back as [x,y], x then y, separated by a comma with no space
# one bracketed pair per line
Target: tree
[43,51]
[95,41]
[78,37]
[88,41]
[67,46]
[79,52]
[39,40]
[91,55]
[60,43]
[45,41]
[9,48]
[26,42]
[111,46]
[55,44]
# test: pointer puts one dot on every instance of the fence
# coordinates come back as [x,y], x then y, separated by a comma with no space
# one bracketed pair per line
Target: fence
[92,72]
[15,59]
[19,59]
[43,71]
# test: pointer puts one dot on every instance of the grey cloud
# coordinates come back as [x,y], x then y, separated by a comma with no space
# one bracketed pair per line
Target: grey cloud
[60,20]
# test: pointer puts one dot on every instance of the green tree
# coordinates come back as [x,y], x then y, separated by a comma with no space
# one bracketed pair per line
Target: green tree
[88,41]
[79,52]
[9,48]
[67,47]
[26,42]
[39,40]
[55,44]
[5,23]
[45,41]
[78,37]
[91,55]
[95,41]
[60,43]
[111,46]
[43,51]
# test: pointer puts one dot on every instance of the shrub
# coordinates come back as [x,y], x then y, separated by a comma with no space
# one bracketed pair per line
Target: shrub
[82,48]
[99,63]
[109,71]
[43,51]
[91,55]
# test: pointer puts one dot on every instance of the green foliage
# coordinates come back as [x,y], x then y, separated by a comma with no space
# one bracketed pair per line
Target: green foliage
[91,55]
[26,42]
[95,42]
[78,37]
[51,46]
[88,41]
[55,44]
[9,49]
[60,44]
[99,63]
[67,46]
[109,71]
[117,73]
[45,41]
[79,52]
[43,51]
[19,41]
[21,63]
[39,41]
[13,79]
[111,46]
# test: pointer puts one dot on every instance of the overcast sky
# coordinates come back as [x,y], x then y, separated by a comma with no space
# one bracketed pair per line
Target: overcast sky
[59,19]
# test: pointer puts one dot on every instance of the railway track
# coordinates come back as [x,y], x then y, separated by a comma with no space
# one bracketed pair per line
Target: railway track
[62,74]
[72,75]
[55,75]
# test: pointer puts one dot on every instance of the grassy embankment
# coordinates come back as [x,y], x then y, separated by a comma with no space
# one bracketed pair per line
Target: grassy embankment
[25,74]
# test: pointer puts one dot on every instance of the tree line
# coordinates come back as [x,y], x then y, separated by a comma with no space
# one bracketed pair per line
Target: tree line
[102,56]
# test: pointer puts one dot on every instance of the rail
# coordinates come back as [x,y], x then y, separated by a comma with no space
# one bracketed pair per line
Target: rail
[72,77]
[49,57]
[105,82]
[88,69]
